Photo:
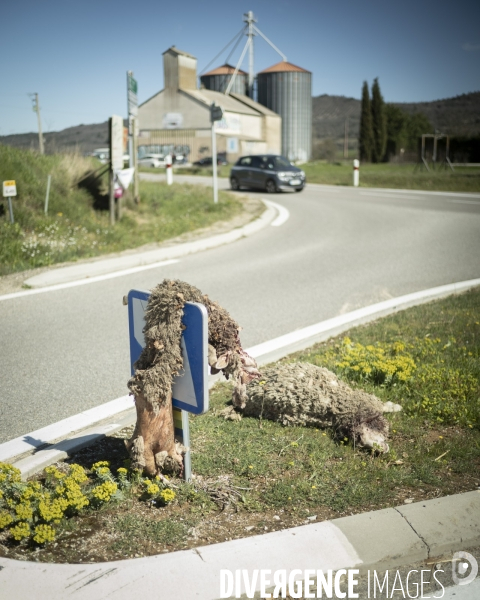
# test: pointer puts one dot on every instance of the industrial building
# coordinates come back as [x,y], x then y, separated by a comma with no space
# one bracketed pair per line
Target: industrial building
[219,79]
[177,119]
[287,90]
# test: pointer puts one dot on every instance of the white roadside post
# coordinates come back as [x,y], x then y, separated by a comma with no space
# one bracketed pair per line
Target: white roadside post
[116,159]
[216,114]
[356,172]
[9,190]
[169,169]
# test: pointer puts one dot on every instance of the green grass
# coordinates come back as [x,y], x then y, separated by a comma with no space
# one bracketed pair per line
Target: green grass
[129,528]
[396,176]
[77,224]
[435,441]
[401,176]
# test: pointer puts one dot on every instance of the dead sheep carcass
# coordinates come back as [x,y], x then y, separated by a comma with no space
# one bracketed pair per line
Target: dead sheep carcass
[304,394]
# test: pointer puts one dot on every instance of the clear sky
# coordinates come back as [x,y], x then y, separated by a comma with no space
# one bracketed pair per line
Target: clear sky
[75,53]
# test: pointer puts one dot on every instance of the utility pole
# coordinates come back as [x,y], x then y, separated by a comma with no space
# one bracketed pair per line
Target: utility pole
[216,114]
[36,108]
[250,20]
[345,143]
[136,192]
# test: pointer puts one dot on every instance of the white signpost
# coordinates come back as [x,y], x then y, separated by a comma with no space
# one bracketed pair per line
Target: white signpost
[190,387]
[10,190]
[216,114]
[132,101]
[116,161]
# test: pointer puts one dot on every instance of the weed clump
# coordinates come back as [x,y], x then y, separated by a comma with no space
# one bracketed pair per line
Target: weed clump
[34,510]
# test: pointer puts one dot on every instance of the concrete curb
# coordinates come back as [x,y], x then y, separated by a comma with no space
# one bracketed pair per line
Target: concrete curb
[103,266]
[388,539]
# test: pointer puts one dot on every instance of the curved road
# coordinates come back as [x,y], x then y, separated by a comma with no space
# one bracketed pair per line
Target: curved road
[66,351]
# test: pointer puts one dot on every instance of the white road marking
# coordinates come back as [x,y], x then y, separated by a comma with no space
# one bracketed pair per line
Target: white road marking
[87,280]
[387,195]
[283,213]
[425,193]
[464,202]
[356,317]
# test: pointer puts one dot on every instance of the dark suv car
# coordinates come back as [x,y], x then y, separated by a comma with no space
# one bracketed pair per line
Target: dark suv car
[269,172]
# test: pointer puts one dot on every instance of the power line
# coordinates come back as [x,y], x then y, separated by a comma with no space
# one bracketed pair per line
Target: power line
[239,34]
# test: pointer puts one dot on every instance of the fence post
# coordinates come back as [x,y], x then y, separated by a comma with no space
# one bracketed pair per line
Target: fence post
[48,193]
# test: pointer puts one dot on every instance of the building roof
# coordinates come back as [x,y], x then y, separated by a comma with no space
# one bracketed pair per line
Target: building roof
[177,51]
[225,69]
[255,105]
[283,67]
[228,103]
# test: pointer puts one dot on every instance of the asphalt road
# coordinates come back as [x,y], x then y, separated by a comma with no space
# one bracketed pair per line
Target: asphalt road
[65,351]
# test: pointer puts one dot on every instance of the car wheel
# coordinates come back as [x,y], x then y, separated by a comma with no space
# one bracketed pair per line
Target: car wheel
[271,186]
[298,189]
[234,183]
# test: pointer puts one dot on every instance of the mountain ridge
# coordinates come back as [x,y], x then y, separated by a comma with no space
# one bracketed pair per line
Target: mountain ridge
[455,116]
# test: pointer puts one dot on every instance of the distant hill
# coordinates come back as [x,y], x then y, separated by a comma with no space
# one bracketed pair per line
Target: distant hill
[81,138]
[459,116]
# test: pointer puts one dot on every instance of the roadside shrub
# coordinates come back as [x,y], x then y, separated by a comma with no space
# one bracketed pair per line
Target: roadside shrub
[33,510]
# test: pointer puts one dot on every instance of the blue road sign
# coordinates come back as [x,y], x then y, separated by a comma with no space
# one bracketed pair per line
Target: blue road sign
[190,387]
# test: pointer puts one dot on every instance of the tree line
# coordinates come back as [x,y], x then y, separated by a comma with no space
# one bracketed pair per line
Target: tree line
[385,129]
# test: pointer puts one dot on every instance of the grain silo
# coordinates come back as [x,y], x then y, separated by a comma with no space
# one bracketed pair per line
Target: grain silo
[287,90]
[219,78]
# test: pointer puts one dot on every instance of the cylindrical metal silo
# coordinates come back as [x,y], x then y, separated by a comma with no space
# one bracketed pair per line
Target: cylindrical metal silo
[287,90]
[219,78]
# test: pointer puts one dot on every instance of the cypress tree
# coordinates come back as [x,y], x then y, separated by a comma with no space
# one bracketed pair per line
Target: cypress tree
[379,119]
[365,141]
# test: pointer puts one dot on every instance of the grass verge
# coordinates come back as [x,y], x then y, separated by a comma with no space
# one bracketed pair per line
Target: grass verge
[254,476]
[77,223]
[395,176]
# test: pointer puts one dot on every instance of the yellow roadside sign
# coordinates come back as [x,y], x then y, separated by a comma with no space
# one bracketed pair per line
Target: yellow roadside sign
[9,188]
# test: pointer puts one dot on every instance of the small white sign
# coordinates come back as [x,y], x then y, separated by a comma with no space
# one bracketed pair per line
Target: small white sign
[172,120]
[232,145]
[9,188]
[125,177]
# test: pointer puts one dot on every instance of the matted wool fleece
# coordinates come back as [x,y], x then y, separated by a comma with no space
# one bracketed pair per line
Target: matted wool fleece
[161,359]
[304,394]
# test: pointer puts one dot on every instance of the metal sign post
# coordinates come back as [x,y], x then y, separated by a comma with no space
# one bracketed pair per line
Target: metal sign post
[9,190]
[132,100]
[190,387]
[216,114]
[116,159]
